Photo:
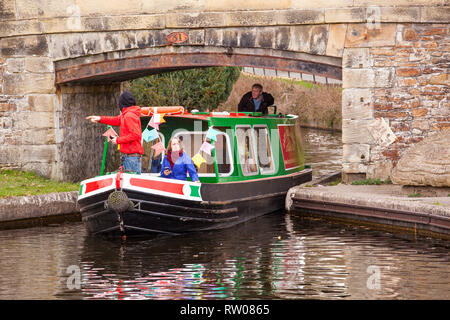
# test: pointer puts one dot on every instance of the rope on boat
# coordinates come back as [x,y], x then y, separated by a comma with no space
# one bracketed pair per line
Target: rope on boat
[119,203]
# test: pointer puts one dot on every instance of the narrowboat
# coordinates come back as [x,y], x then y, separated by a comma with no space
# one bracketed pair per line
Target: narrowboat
[253,161]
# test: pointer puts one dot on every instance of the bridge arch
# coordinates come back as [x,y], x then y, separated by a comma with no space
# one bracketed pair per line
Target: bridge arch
[87,80]
[138,63]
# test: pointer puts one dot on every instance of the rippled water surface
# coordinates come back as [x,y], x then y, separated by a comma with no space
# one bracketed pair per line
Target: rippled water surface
[274,256]
[323,150]
[277,256]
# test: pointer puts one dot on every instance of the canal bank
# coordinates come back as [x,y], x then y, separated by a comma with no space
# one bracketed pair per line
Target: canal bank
[387,206]
[24,211]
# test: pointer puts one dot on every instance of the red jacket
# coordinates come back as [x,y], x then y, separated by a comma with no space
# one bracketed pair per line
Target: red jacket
[130,137]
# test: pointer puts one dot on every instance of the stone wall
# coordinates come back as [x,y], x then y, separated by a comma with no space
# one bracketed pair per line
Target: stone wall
[418,104]
[26,17]
[48,133]
[81,147]
[27,106]
[401,75]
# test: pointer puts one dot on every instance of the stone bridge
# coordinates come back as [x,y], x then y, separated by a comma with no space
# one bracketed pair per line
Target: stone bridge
[61,60]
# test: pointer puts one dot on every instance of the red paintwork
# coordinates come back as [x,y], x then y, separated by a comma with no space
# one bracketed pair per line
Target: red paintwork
[158,185]
[206,116]
[99,184]
[119,176]
[166,110]
[289,146]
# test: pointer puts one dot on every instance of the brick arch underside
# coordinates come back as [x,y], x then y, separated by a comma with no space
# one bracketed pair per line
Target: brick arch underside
[126,68]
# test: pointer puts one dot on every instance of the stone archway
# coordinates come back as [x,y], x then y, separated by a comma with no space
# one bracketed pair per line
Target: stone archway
[137,65]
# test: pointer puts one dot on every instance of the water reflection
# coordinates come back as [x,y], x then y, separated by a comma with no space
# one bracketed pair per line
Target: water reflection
[183,267]
[278,256]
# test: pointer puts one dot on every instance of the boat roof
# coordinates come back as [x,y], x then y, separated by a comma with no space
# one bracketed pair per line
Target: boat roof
[205,116]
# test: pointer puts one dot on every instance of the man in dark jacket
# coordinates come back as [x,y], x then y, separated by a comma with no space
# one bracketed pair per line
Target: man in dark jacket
[256,100]
[130,139]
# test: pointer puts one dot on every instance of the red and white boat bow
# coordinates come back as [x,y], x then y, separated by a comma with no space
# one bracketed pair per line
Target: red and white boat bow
[144,183]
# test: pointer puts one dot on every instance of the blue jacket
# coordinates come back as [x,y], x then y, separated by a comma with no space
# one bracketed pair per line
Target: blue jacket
[180,168]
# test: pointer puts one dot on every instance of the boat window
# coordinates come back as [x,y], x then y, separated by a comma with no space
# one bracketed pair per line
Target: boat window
[150,162]
[223,155]
[192,141]
[264,151]
[246,150]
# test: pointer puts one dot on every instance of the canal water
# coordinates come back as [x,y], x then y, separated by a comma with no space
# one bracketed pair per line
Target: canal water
[277,256]
[323,150]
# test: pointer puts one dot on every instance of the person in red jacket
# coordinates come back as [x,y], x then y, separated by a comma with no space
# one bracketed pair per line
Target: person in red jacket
[130,137]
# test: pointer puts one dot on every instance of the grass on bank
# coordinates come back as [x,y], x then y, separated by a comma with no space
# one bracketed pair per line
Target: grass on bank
[21,183]
[335,183]
[371,181]
[414,195]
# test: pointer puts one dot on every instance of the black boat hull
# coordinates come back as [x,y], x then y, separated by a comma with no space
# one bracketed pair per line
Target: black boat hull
[223,205]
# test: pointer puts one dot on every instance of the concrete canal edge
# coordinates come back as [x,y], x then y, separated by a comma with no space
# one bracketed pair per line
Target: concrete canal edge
[388,207]
[24,211]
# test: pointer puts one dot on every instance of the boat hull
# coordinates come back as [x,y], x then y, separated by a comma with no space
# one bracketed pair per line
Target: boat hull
[222,205]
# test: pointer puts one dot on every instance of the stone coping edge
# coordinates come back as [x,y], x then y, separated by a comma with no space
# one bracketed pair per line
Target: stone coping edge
[394,203]
[404,213]
[38,206]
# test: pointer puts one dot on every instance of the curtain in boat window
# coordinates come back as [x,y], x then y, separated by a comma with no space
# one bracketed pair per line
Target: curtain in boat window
[192,141]
[151,162]
[246,150]
[263,150]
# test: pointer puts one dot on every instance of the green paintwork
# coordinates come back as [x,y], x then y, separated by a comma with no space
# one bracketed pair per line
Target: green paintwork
[195,191]
[227,125]
[105,150]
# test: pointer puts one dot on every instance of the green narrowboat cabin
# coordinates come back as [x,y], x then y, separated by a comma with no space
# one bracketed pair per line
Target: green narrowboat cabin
[253,161]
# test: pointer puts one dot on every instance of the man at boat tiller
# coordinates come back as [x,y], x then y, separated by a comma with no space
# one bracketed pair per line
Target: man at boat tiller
[256,100]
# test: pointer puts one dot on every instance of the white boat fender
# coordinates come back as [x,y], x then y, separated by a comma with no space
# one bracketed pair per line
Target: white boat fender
[288,201]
